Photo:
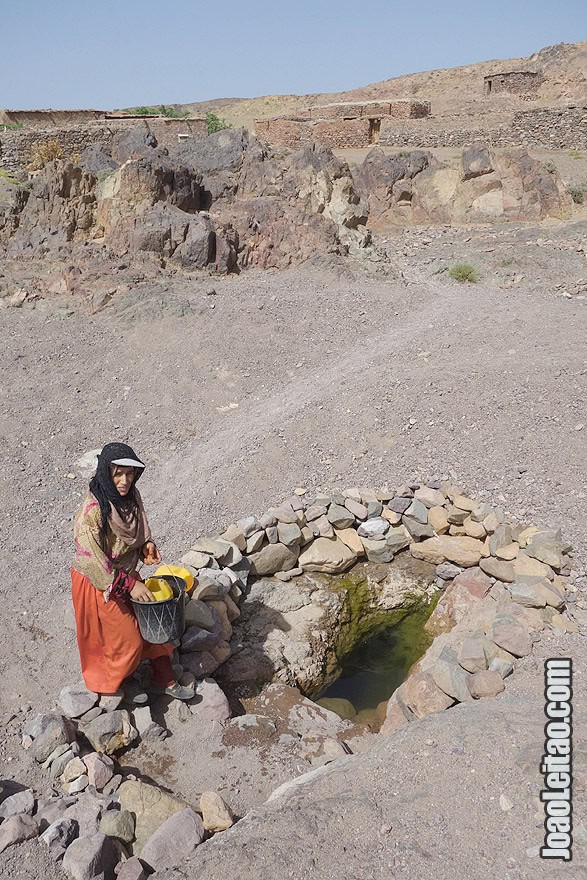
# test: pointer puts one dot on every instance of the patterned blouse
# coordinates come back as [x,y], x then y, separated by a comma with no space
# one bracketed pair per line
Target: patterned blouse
[100,564]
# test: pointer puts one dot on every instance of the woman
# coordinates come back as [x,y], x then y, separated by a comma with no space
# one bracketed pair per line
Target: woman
[111,535]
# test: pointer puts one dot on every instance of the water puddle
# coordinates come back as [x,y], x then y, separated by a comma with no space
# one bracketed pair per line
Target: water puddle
[371,672]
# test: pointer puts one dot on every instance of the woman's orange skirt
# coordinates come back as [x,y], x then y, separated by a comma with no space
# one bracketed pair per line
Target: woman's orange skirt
[110,644]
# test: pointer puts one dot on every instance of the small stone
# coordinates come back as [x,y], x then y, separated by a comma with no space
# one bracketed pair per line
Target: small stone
[430,497]
[447,571]
[464,503]
[394,519]
[16,829]
[173,841]
[197,613]
[216,814]
[289,534]
[255,541]
[100,768]
[21,802]
[501,571]
[213,705]
[196,559]
[374,509]
[322,528]
[110,731]
[472,655]
[235,534]
[90,856]
[73,769]
[526,595]
[58,766]
[505,803]
[351,539]
[485,684]
[358,510]
[56,732]
[59,835]
[417,511]
[75,700]
[78,784]
[89,716]
[340,517]
[508,552]
[474,529]
[501,666]
[56,753]
[133,869]
[399,504]
[315,511]
[110,702]
[119,824]
[376,526]
[510,635]
[422,695]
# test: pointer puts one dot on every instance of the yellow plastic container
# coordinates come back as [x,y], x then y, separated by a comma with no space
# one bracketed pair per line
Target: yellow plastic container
[178,571]
[159,588]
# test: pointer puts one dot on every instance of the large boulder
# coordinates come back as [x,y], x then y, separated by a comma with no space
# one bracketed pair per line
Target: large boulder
[151,807]
[174,840]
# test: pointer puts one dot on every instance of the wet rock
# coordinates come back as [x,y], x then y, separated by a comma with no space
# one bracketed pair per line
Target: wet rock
[174,840]
[119,824]
[216,814]
[151,807]
[76,700]
[328,555]
[16,829]
[59,835]
[343,708]
[21,802]
[423,696]
[485,683]
[91,857]
[110,732]
[100,769]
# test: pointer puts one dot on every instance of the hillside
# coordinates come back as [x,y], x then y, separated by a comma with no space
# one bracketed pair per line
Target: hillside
[453,91]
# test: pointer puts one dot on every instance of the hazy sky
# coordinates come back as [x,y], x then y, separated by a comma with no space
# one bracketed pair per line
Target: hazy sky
[64,54]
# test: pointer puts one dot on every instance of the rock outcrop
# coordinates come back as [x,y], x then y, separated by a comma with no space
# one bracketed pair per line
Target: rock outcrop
[487,186]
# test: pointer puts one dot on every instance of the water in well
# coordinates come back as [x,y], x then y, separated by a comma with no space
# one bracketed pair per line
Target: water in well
[371,672]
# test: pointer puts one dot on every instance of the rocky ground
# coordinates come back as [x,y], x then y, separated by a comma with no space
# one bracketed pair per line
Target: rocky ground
[237,389]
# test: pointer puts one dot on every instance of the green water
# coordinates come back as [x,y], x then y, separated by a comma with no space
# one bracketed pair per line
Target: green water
[372,670]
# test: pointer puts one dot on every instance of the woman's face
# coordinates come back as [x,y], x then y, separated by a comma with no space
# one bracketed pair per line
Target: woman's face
[122,477]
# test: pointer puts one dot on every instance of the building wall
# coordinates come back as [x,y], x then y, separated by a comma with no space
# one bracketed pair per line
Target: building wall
[558,129]
[521,82]
[401,109]
[15,146]
[48,118]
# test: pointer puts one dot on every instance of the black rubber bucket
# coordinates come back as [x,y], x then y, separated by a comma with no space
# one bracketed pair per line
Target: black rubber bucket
[162,622]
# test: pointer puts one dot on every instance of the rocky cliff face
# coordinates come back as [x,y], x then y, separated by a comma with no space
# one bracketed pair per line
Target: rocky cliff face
[224,203]
[486,186]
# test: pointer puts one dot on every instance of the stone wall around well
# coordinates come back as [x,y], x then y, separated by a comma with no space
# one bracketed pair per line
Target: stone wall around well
[15,145]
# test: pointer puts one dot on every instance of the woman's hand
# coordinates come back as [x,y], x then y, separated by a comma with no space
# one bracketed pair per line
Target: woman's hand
[140,593]
[151,555]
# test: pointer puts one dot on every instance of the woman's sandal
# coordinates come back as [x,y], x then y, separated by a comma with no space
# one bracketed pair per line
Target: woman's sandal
[177,691]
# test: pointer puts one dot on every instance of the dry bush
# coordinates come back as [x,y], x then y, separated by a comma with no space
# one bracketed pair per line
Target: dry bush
[42,152]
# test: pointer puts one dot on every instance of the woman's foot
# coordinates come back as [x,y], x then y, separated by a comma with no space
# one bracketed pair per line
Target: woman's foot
[176,690]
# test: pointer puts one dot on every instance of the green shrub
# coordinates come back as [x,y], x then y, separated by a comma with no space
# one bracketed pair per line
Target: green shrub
[575,154]
[405,154]
[215,123]
[550,167]
[7,177]
[577,193]
[463,272]
[12,126]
